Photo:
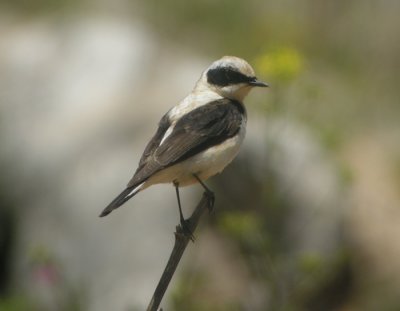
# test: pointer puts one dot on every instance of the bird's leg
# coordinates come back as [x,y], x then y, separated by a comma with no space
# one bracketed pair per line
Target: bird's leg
[182,219]
[208,193]
[184,223]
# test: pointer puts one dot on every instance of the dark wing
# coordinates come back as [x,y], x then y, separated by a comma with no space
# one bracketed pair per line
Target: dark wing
[152,145]
[204,127]
[198,130]
[163,126]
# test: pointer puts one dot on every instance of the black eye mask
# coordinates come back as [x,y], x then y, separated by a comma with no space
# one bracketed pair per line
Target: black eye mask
[223,76]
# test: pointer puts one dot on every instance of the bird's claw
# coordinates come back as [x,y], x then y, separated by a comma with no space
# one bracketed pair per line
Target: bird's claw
[184,229]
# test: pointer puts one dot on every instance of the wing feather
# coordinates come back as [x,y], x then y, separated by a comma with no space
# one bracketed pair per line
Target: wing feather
[198,130]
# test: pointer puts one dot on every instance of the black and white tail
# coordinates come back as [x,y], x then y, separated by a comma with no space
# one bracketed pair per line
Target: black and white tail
[121,199]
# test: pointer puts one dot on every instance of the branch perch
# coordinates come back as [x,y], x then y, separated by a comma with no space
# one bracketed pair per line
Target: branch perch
[181,241]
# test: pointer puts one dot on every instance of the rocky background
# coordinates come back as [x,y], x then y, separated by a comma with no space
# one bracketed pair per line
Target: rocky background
[306,218]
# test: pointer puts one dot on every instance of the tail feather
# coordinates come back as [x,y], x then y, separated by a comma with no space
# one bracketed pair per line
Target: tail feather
[121,199]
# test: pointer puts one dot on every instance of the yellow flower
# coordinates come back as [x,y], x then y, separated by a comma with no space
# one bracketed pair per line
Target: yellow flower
[283,64]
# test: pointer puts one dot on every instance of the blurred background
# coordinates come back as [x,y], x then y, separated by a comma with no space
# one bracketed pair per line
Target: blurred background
[306,218]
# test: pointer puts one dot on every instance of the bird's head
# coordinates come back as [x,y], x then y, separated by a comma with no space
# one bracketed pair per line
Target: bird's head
[230,77]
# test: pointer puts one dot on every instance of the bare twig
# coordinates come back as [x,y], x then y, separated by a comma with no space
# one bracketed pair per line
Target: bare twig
[181,241]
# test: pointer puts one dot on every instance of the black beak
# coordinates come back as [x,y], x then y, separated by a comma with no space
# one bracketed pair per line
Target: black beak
[259,83]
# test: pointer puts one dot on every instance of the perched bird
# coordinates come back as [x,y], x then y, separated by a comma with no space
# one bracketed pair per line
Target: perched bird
[200,136]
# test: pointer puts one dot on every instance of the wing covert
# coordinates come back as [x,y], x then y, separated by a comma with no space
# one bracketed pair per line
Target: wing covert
[196,131]
[203,127]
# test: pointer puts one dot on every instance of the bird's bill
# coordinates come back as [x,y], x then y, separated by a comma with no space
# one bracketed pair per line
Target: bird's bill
[259,83]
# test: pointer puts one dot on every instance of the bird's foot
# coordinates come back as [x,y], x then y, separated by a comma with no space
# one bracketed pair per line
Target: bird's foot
[210,197]
[184,228]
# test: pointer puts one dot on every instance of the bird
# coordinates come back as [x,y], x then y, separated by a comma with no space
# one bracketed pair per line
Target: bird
[200,136]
